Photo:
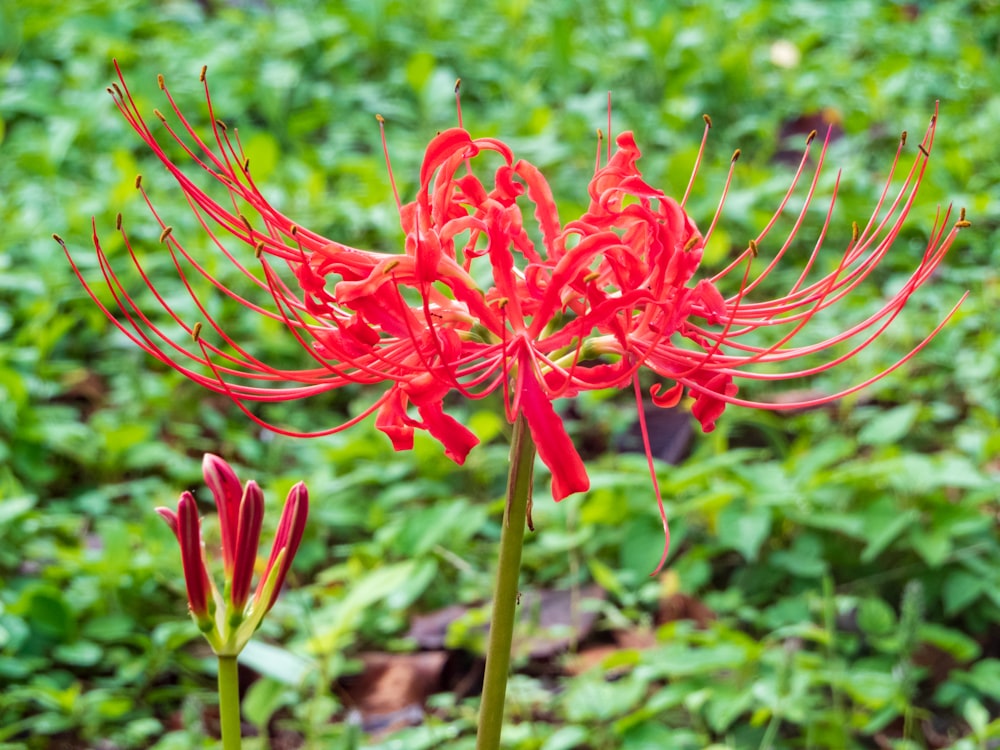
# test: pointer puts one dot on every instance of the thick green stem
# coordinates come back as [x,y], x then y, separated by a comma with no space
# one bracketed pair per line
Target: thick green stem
[229,702]
[522,458]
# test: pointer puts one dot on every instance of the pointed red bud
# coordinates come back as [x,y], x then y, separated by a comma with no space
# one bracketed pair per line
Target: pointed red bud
[289,534]
[225,487]
[192,558]
[170,517]
[247,538]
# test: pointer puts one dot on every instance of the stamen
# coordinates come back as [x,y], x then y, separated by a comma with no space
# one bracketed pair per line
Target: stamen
[610,131]
[385,150]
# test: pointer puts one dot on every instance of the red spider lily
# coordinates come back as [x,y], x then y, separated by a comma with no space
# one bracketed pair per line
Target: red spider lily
[474,304]
[228,620]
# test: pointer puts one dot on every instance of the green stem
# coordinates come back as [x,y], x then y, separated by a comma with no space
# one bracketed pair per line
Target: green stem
[229,702]
[522,459]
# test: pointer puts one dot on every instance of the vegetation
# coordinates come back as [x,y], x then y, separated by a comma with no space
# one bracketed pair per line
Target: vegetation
[835,579]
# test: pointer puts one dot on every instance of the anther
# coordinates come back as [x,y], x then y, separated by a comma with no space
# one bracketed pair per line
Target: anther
[204,70]
[165,233]
[160,82]
[196,331]
[923,150]
[138,182]
[117,90]
[380,119]
[962,223]
[854,232]
[689,245]
[592,276]
[754,251]
[736,154]
[502,303]
[58,239]
[902,139]
[294,230]
[246,165]
[159,115]
[246,223]
[707,119]
[220,124]
[961,214]
[810,137]
[458,84]
[118,221]
[389,266]
[258,249]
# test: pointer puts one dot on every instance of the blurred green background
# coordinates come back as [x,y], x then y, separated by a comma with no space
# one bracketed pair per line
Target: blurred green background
[835,579]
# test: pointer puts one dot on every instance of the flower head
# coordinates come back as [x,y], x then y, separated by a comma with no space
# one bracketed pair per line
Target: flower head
[229,619]
[478,301]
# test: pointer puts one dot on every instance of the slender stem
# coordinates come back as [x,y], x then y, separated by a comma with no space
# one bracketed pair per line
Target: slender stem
[522,458]
[229,702]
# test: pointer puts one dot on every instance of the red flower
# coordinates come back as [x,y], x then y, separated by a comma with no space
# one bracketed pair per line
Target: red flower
[230,619]
[476,302]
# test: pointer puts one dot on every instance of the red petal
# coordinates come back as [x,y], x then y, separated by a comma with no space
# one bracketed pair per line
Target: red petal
[554,446]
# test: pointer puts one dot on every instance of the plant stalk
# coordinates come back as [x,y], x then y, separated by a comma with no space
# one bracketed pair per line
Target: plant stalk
[519,480]
[229,703]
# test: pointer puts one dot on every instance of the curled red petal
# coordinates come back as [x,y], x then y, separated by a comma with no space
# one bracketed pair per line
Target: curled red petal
[553,444]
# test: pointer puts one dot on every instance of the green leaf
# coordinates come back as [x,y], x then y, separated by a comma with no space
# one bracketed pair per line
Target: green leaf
[281,665]
[567,738]
[962,647]
[960,590]
[78,653]
[875,617]
[263,698]
[889,426]
[744,529]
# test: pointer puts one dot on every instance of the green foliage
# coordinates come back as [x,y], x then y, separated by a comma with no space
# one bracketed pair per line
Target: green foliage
[849,555]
